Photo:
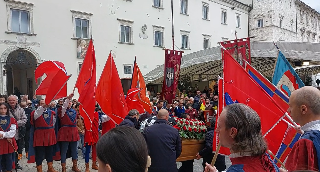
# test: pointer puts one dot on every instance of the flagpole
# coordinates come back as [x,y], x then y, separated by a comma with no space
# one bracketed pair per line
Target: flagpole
[61,88]
[172,24]
[216,155]
[269,152]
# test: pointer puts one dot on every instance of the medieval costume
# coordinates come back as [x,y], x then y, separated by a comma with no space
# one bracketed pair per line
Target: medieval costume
[248,163]
[68,135]
[42,138]
[8,145]
[305,154]
[91,138]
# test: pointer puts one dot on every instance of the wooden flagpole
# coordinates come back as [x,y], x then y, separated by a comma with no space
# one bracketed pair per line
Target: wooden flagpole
[214,159]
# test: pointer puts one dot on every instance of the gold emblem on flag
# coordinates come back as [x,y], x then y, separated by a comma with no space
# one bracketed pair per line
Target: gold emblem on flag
[45,115]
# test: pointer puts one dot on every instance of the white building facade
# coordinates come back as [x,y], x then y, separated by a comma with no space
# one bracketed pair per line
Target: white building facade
[284,20]
[33,31]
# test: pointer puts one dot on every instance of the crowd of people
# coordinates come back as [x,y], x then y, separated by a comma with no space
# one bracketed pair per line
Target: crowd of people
[148,142]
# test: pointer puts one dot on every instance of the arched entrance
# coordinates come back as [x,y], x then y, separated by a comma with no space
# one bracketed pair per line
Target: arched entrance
[18,71]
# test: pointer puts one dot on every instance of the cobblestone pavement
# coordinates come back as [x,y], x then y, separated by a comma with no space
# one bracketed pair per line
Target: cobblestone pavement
[197,165]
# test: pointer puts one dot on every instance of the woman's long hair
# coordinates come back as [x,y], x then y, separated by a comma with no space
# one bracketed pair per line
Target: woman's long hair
[124,149]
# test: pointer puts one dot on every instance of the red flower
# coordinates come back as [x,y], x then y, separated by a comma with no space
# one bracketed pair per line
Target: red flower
[191,123]
[190,129]
[195,129]
[187,123]
[176,127]
[184,128]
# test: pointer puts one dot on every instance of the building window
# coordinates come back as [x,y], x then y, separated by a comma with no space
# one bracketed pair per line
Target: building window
[82,28]
[20,17]
[157,3]
[79,67]
[238,21]
[260,23]
[205,43]
[158,38]
[184,7]
[127,69]
[82,24]
[20,21]
[125,31]
[223,16]
[125,34]
[185,42]
[205,11]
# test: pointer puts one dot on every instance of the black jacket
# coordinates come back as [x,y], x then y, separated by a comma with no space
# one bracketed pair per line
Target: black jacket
[164,144]
[28,114]
[207,150]
[130,122]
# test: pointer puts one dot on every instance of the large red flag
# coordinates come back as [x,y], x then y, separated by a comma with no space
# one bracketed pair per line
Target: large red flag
[54,86]
[243,88]
[171,74]
[138,82]
[109,92]
[86,84]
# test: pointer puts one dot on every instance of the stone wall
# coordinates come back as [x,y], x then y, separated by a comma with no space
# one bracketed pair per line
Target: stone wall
[284,20]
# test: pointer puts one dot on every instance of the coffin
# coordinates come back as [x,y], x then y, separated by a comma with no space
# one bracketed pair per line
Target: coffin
[190,148]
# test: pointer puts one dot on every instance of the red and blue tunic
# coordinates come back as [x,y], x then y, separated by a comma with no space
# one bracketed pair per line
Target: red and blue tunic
[92,137]
[253,164]
[305,154]
[68,131]
[44,134]
[5,146]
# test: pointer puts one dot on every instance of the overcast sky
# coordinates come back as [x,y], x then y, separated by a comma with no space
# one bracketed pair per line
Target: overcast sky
[315,4]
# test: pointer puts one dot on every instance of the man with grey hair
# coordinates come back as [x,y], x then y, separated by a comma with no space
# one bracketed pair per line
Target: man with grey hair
[304,108]
[18,113]
[131,119]
[164,144]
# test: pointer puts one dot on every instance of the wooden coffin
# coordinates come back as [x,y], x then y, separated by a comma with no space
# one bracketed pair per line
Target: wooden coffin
[190,148]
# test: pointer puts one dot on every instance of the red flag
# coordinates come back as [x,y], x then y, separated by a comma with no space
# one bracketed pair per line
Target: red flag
[239,49]
[86,84]
[243,89]
[171,74]
[109,93]
[132,101]
[54,86]
[138,82]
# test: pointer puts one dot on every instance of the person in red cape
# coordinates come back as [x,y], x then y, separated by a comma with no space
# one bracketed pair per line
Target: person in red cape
[91,138]
[239,129]
[68,133]
[44,136]
[304,108]
[8,145]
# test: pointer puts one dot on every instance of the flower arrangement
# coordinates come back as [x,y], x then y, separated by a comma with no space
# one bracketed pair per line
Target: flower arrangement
[191,128]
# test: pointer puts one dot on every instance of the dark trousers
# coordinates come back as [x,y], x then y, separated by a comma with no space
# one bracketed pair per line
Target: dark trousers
[64,149]
[26,141]
[43,151]
[220,163]
[87,153]
[187,166]
[20,143]
[8,162]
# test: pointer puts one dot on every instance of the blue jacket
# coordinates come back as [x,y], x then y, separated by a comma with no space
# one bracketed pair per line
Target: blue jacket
[164,144]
